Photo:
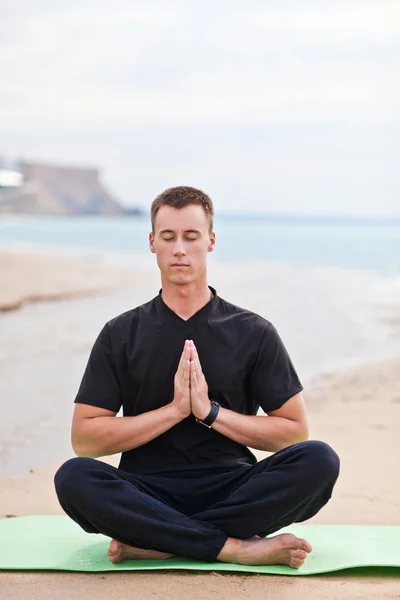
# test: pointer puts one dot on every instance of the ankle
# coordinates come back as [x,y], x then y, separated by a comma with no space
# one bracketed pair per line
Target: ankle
[232,549]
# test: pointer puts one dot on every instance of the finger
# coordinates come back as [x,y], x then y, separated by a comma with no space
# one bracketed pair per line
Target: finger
[193,373]
[179,369]
[186,372]
[183,356]
[197,367]
[196,358]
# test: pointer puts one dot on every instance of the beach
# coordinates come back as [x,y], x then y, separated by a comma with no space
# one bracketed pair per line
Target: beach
[26,278]
[353,403]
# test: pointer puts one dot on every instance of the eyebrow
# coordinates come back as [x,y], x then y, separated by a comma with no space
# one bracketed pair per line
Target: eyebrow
[186,231]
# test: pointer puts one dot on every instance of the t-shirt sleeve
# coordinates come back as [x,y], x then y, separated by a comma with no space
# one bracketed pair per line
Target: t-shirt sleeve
[99,385]
[274,379]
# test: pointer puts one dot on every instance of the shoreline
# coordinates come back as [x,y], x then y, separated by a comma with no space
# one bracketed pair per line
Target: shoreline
[32,278]
[11,305]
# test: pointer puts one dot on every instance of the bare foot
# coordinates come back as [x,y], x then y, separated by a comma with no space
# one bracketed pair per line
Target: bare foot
[283,549]
[119,551]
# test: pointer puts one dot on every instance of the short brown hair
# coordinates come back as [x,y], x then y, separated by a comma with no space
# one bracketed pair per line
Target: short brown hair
[181,196]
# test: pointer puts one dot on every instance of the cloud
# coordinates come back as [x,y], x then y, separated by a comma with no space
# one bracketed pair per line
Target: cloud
[323,23]
[137,62]
[154,89]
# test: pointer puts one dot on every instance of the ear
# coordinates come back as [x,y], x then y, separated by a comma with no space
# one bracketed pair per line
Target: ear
[211,245]
[151,243]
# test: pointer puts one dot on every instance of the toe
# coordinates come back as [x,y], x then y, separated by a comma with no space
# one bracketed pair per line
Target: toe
[114,546]
[299,554]
[288,540]
[306,546]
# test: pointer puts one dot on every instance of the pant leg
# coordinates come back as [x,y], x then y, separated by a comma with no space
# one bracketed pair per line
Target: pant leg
[290,486]
[103,499]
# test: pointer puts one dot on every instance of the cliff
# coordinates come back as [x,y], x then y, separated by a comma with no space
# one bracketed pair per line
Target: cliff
[59,190]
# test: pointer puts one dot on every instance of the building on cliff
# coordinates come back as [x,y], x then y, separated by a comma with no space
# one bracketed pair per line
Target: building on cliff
[57,190]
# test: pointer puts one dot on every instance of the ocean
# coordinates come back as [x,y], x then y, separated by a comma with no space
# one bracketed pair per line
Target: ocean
[331,288]
[344,243]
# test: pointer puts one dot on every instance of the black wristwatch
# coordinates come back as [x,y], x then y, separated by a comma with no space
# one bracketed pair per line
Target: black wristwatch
[212,415]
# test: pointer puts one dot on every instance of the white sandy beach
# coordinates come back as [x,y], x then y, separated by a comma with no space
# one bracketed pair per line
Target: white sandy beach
[356,410]
[37,278]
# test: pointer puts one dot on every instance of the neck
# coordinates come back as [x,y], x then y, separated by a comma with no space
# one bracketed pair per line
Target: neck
[186,300]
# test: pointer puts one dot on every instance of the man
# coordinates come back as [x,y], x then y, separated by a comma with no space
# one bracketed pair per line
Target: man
[191,371]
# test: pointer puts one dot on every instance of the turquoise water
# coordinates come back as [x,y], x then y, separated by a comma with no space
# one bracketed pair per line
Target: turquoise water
[297,241]
[329,318]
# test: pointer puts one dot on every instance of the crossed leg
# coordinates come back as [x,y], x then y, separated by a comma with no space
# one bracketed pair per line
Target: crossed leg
[227,530]
[283,549]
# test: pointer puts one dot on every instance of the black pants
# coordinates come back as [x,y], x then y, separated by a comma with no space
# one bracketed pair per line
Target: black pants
[192,514]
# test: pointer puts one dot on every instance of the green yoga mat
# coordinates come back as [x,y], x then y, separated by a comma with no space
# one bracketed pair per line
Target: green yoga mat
[55,542]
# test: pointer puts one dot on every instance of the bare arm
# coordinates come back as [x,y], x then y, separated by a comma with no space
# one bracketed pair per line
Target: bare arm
[271,433]
[98,432]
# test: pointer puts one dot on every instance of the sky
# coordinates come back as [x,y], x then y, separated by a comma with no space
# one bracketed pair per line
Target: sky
[287,107]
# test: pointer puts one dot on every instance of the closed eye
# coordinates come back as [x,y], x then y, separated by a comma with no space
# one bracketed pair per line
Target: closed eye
[170,239]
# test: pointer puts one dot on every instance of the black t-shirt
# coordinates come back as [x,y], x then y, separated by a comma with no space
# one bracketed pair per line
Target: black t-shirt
[134,360]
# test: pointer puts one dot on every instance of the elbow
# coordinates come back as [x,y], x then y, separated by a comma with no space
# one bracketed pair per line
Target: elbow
[82,454]
[299,434]
[85,454]
[76,447]
[83,451]
[303,433]
[82,444]
[79,451]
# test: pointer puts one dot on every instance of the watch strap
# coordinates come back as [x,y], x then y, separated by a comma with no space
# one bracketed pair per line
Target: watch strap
[212,415]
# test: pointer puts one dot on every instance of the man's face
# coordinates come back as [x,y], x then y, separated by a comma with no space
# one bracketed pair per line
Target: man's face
[181,240]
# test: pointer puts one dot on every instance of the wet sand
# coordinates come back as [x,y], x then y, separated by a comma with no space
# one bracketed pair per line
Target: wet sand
[29,278]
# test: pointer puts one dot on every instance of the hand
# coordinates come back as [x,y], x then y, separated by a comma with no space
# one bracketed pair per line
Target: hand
[181,399]
[199,399]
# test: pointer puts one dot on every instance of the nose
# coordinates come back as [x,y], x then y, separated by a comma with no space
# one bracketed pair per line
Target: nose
[179,249]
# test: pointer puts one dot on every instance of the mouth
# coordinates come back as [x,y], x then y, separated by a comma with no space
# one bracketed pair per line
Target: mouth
[179,265]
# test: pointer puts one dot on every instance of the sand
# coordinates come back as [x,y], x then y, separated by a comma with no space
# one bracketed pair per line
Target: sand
[29,278]
[356,410]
